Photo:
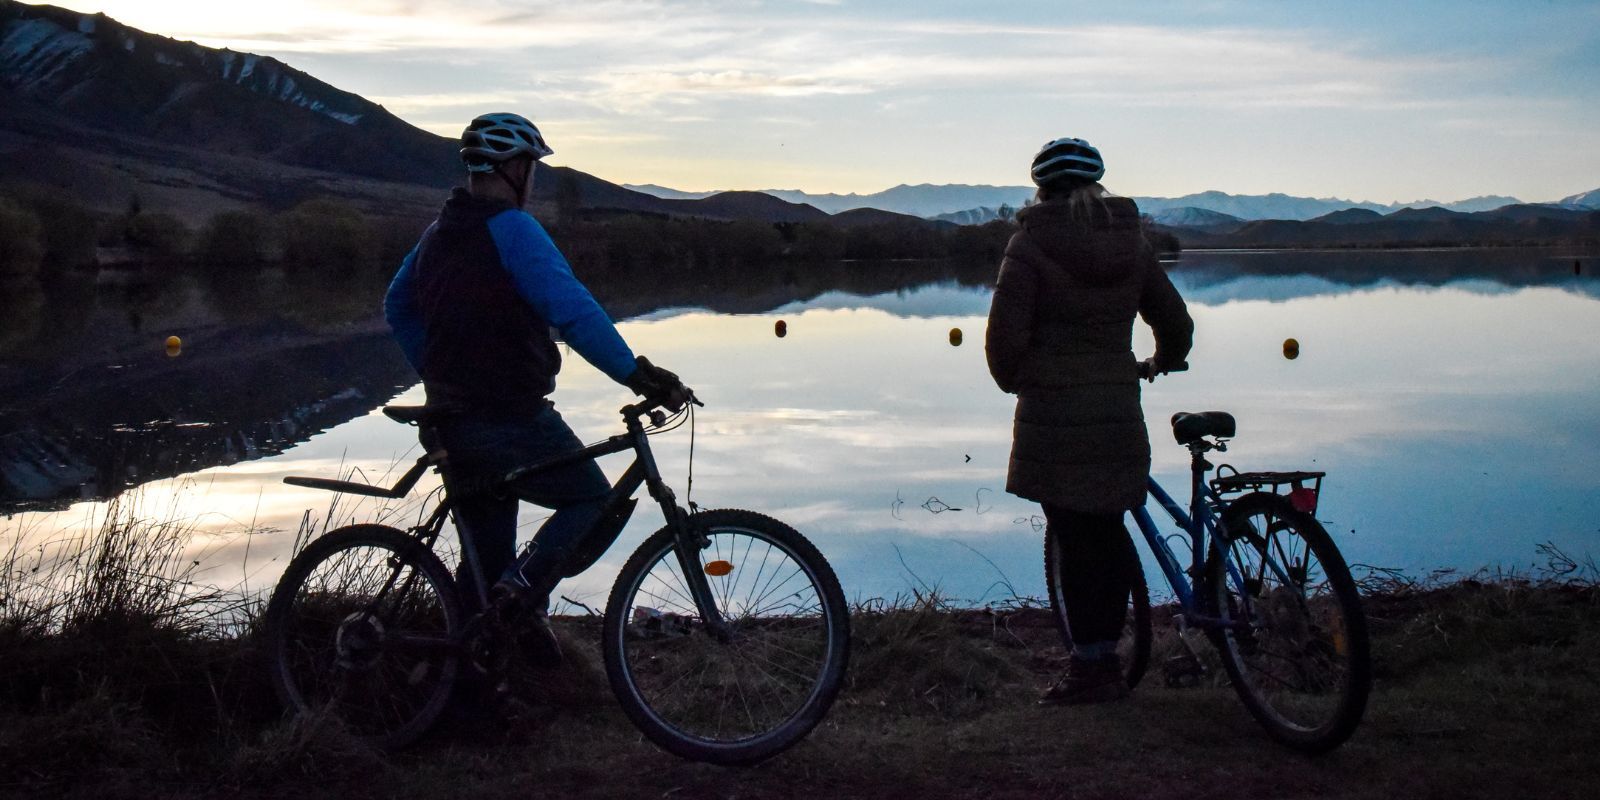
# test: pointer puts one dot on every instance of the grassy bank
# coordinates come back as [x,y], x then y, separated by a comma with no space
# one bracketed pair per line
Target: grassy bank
[122,678]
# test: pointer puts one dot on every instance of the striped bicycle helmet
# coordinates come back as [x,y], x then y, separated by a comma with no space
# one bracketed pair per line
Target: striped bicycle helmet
[492,138]
[1069,159]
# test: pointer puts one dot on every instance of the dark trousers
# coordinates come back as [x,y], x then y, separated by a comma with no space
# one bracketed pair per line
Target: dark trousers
[482,447]
[1096,571]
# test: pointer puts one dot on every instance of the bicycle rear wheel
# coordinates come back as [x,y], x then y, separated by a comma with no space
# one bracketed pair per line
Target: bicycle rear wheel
[1300,658]
[747,696]
[359,631]
[1134,646]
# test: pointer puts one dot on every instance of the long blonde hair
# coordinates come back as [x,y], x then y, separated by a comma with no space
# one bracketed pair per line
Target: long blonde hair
[1082,198]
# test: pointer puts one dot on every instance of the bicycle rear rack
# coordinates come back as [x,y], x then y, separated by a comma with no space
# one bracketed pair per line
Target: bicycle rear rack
[1302,497]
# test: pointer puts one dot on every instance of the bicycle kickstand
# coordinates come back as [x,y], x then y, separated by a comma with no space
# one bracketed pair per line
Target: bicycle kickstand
[1185,669]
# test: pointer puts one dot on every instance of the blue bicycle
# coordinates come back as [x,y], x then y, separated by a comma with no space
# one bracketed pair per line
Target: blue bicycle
[1265,584]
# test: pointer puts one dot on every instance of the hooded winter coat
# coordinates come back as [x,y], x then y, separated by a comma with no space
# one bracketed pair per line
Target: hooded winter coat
[1060,337]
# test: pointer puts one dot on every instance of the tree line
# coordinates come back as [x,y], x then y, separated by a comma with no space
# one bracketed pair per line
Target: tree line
[43,233]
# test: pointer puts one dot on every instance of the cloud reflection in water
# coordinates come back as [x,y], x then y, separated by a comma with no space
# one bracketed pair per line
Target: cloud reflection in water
[1457,425]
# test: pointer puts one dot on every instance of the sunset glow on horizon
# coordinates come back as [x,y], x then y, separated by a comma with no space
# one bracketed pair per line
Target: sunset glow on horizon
[1363,101]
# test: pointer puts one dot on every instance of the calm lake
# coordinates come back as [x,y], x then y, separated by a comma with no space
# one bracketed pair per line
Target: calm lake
[1450,395]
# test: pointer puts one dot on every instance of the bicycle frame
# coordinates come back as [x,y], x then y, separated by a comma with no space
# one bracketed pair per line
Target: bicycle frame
[1199,521]
[643,471]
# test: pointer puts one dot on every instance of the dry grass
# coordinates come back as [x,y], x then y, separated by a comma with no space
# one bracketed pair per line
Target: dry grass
[122,672]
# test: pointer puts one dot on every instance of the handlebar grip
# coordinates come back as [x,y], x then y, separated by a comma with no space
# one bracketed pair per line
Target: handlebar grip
[652,402]
[1148,371]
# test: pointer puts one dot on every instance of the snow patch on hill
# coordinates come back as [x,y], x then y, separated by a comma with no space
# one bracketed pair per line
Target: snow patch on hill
[32,51]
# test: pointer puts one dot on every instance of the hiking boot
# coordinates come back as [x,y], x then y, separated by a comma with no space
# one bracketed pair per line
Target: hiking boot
[527,612]
[1087,681]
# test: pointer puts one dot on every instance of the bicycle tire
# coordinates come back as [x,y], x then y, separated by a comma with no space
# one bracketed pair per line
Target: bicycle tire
[1309,620]
[653,640]
[384,672]
[1134,646]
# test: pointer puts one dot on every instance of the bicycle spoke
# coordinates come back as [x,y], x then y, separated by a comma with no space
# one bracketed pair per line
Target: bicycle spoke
[361,632]
[1294,664]
[730,690]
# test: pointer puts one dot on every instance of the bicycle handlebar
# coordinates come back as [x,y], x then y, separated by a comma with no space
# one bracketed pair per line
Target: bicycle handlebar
[1145,368]
[653,402]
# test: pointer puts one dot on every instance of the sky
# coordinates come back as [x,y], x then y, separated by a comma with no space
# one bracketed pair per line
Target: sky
[1379,101]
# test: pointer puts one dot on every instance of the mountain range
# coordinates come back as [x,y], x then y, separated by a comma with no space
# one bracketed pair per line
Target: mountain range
[968,204]
[115,116]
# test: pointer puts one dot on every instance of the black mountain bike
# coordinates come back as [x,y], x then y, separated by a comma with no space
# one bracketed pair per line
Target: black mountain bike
[725,637]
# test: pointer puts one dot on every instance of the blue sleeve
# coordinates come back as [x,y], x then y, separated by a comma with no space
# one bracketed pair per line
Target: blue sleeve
[545,280]
[400,309]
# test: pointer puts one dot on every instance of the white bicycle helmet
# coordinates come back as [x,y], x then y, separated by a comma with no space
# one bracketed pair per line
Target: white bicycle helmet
[1067,158]
[492,138]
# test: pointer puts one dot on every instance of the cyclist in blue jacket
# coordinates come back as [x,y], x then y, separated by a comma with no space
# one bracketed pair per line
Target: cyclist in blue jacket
[473,307]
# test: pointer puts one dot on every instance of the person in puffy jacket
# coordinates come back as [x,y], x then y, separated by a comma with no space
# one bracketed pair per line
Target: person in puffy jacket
[473,306]
[1060,337]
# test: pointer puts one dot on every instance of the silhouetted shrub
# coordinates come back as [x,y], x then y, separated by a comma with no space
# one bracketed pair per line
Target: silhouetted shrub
[395,237]
[156,234]
[67,231]
[22,311]
[328,235]
[20,247]
[986,242]
[892,240]
[734,243]
[816,243]
[233,240]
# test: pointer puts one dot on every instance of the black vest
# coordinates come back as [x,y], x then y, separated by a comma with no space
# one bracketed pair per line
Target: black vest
[484,347]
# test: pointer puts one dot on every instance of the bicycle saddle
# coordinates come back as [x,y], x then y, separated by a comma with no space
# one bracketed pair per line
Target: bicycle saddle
[1189,427]
[420,415]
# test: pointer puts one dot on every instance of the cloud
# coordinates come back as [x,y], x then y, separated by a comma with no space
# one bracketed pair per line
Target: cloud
[637,54]
[886,76]
[404,103]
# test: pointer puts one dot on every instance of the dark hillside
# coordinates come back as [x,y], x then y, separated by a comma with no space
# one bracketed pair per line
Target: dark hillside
[861,217]
[1191,217]
[106,112]
[756,206]
[113,118]
[1430,214]
[1427,227]
[1349,216]
[103,75]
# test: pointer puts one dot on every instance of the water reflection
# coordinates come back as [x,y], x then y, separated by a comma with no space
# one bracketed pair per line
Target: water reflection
[1452,409]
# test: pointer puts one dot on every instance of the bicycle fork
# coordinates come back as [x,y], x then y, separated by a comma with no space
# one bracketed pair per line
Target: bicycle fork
[688,542]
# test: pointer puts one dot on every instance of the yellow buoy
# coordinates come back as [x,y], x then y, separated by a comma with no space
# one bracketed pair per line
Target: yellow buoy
[174,347]
[1291,348]
[955,337]
[717,569]
[780,328]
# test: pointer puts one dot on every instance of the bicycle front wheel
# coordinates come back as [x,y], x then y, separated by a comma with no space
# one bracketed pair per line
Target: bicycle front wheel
[1133,648]
[758,687]
[1297,653]
[359,632]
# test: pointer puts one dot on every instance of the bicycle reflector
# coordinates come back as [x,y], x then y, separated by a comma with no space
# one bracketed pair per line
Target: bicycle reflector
[1304,500]
[717,569]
